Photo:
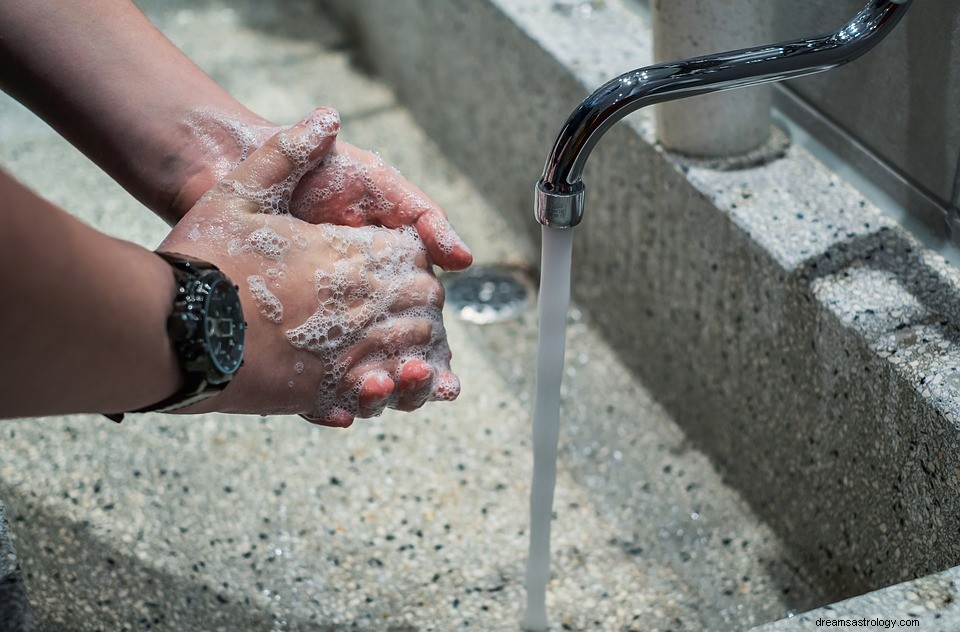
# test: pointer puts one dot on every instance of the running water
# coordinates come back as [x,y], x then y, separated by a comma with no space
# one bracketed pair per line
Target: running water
[554,297]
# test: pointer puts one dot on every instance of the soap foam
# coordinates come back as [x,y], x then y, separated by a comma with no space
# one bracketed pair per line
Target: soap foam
[336,174]
[351,307]
[270,305]
[447,239]
[347,191]
[268,243]
[208,127]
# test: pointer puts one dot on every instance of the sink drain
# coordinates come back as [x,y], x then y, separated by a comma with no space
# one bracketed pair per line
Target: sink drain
[487,294]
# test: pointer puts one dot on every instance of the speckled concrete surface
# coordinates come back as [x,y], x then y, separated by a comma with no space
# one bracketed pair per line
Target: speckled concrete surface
[929,603]
[796,334]
[409,522]
[15,612]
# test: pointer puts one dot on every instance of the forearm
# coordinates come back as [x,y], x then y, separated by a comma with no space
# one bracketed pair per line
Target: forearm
[102,75]
[83,320]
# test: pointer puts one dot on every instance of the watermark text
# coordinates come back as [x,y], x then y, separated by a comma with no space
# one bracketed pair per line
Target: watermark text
[867,622]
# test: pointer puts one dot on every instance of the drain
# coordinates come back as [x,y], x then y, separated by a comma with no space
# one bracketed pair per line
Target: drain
[487,294]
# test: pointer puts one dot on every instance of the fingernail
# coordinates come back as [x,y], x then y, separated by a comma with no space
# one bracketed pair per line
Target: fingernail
[416,371]
[382,378]
[381,400]
[383,383]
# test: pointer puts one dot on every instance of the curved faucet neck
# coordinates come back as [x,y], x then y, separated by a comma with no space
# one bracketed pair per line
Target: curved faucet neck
[560,189]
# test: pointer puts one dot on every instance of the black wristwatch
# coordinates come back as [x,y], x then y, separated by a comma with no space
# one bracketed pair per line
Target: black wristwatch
[206,331]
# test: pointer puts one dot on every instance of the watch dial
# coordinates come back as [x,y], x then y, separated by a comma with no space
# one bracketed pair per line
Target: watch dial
[224,327]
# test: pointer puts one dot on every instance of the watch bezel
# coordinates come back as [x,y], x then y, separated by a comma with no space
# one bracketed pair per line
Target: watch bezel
[222,285]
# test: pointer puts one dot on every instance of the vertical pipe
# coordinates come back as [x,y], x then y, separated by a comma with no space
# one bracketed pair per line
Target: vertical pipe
[717,125]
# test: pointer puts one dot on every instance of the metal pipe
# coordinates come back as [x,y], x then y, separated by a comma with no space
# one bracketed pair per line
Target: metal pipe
[559,192]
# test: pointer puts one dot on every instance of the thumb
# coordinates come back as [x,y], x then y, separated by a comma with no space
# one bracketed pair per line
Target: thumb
[268,176]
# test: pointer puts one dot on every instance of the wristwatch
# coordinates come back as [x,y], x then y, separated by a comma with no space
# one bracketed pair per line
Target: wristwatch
[206,331]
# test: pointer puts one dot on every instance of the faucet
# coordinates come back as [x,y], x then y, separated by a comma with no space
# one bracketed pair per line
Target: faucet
[559,192]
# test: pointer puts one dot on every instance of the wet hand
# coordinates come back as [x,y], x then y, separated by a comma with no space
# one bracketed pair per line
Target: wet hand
[343,321]
[355,187]
[349,187]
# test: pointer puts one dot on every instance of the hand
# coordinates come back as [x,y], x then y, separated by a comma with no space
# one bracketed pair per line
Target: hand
[350,187]
[342,321]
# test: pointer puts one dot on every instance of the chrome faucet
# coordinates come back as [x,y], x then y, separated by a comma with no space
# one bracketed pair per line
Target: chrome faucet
[559,192]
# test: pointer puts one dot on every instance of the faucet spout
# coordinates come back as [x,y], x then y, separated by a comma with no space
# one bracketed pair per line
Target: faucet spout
[559,192]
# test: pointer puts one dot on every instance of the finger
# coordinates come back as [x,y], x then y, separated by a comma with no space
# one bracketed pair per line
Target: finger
[354,187]
[376,390]
[410,207]
[335,192]
[446,387]
[414,385]
[335,418]
[392,339]
[277,165]
[445,246]
[425,293]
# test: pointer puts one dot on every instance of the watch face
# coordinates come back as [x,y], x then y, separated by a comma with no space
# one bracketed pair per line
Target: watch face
[224,329]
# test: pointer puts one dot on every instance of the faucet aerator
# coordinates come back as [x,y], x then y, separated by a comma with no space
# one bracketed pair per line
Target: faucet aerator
[558,209]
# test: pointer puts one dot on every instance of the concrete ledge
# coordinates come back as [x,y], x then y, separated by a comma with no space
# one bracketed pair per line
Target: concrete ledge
[930,603]
[803,340]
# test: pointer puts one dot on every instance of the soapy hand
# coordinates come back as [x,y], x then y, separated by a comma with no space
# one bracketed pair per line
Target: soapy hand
[349,187]
[343,321]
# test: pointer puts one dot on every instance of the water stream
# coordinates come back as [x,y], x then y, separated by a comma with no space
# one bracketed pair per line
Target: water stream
[557,248]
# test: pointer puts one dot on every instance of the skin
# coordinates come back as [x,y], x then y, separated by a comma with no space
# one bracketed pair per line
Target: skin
[366,179]
[401,380]
[163,129]
[71,341]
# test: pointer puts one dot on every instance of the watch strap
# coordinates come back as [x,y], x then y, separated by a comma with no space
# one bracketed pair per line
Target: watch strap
[191,392]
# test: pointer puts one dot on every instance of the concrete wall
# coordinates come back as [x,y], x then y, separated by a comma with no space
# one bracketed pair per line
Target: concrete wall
[901,100]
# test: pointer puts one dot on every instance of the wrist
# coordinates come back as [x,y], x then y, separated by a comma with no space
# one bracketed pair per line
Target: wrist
[85,330]
[147,367]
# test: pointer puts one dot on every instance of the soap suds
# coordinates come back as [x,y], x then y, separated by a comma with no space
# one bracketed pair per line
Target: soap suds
[352,307]
[268,243]
[355,304]
[270,306]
